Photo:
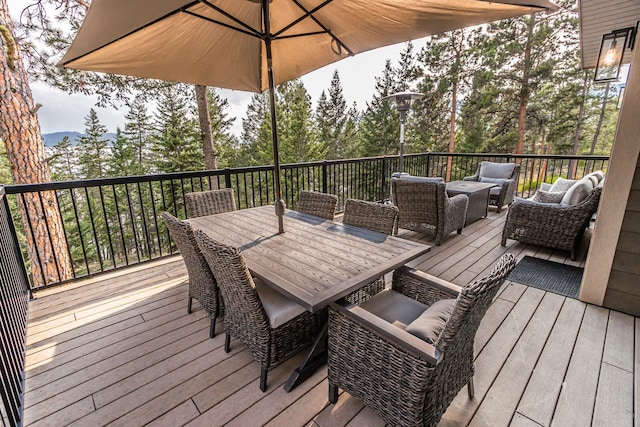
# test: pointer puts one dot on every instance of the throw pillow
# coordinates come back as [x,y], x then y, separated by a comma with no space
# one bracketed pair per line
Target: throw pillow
[428,326]
[548,196]
[597,175]
[496,170]
[578,192]
[562,185]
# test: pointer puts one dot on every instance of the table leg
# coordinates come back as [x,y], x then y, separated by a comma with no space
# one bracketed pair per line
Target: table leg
[317,357]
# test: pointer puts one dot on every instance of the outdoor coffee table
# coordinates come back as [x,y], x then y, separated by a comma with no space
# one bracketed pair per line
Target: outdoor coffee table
[478,194]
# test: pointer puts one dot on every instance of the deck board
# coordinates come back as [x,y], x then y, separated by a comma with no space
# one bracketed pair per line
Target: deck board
[120,349]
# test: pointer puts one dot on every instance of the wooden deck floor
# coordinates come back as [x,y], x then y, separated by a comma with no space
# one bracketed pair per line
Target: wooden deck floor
[121,350]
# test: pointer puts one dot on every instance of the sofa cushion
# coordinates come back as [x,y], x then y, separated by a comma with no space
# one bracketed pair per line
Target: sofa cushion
[597,175]
[548,196]
[577,193]
[428,326]
[496,170]
[420,179]
[562,185]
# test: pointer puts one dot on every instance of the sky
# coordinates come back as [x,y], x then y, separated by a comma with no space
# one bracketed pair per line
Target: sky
[64,112]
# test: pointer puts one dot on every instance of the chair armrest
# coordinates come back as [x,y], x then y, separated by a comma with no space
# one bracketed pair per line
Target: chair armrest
[423,287]
[360,317]
[470,178]
[459,201]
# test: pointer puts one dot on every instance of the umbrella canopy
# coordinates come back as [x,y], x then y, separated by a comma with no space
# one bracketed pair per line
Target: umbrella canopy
[253,45]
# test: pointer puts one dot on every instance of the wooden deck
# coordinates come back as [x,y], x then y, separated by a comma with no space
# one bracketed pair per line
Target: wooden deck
[120,349]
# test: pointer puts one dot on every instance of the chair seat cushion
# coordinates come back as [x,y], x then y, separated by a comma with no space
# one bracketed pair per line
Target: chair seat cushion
[431,322]
[496,170]
[497,181]
[394,307]
[411,178]
[279,308]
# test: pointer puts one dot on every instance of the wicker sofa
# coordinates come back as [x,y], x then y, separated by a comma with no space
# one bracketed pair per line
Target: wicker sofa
[555,219]
[504,175]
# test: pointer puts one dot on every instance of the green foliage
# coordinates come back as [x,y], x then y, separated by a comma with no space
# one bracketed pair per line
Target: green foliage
[92,148]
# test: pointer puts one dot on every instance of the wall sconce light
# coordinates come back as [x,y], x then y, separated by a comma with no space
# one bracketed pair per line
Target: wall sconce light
[611,53]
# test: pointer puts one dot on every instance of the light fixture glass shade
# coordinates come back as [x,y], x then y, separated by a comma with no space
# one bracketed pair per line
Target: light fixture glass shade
[610,57]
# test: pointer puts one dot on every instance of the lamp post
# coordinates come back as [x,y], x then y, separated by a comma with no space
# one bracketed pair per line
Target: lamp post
[403,103]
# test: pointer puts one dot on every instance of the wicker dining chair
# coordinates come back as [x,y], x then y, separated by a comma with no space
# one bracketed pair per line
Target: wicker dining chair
[273,327]
[425,206]
[313,203]
[375,217]
[209,202]
[410,374]
[202,284]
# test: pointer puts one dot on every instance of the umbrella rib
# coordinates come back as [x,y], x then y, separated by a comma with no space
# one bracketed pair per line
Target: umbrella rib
[309,14]
[250,30]
[222,24]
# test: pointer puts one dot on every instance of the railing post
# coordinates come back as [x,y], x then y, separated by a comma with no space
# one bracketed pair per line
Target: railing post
[324,177]
[384,189]
[427,169]
[227,177]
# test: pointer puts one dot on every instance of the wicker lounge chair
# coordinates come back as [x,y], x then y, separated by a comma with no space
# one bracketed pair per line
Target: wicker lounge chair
[313,203]
[270,325]
[401,376]
[202,284]
[424,206]
[372,216]
[210,202]
[550,224]
[504,175]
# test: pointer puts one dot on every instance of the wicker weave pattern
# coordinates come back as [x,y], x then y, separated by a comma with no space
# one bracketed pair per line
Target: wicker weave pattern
[313,203]
[401,387]
[202,284]
[425,206]
[246,318]
[550,225]
[507,190]
[210,202]
[375,217]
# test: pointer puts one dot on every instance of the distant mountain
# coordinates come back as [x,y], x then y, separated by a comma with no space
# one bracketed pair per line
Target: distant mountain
[50,139]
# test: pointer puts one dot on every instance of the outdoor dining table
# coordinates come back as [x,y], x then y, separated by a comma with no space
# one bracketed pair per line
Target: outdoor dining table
[314,262]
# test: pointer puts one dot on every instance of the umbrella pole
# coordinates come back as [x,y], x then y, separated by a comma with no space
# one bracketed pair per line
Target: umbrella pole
[280,206]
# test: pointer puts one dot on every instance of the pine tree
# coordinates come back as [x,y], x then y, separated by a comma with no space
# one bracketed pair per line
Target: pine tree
[138,130]
[63,161]
[92,148]
[295,123]
[224,142]
[123,161]
[331,120]
[177,147]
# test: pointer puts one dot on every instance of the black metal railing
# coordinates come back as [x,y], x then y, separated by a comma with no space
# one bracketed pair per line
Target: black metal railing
[14,298]
[115,222]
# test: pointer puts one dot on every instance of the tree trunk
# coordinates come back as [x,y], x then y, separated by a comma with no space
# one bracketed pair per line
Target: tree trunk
[452,128]
[600,119]
[20,131]
[204,116]
[525,90]
[576,141]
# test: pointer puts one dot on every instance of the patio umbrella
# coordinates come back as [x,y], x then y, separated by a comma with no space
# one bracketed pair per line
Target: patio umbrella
[253,45]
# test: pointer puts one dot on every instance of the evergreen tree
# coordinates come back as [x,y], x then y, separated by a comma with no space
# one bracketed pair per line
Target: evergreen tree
[295,123]
[224,142]
[93,148]
[256,142]
[63,161]
[123,161]
[331,121]
[138,129]
[379,127]
[176,142]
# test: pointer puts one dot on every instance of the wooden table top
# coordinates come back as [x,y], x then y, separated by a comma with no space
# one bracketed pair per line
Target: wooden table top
[314,261]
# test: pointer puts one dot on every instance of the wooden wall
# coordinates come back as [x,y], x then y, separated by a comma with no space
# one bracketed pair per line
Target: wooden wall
[623,289]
